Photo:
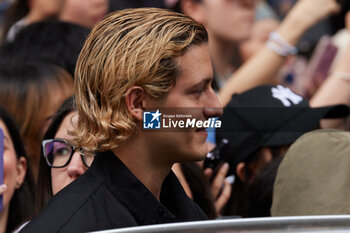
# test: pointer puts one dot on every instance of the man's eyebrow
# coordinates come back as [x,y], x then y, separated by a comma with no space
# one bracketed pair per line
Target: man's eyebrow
[203,82]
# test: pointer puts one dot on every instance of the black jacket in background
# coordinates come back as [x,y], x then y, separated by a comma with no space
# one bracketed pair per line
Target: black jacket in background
[109,196]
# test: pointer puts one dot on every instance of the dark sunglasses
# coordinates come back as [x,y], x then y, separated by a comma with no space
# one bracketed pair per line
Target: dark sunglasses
[59,152]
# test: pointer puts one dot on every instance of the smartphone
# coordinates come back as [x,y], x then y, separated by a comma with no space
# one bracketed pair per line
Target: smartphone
[216,157]
[1,164]
[318,68]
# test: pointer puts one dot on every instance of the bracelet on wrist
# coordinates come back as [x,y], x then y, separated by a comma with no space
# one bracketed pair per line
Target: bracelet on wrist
[278,45]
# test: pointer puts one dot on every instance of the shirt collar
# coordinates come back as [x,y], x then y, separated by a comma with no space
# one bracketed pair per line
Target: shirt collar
[174,204]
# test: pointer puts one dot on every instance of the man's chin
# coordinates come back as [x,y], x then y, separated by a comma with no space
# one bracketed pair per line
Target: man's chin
[202,153]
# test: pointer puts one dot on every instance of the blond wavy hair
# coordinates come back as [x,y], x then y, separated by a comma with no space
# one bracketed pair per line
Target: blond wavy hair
[133,47]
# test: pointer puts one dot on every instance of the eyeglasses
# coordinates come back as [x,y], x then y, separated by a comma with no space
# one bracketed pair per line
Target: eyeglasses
[58,153]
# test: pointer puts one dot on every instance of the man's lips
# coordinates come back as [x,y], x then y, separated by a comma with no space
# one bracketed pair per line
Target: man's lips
[202,131]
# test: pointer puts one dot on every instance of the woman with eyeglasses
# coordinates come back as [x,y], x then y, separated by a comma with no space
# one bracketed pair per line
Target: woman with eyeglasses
[17,190]
[61,162]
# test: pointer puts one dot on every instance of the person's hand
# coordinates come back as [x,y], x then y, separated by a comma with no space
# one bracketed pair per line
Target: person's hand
[221,189]
[3,189]
[312,11]
[304,15]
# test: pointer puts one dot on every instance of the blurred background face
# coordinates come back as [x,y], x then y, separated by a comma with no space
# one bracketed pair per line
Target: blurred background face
[14,169]
[84,12]
[228,19]
[61,177]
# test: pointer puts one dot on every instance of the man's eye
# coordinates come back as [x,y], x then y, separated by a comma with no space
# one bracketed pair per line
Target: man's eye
[199,91]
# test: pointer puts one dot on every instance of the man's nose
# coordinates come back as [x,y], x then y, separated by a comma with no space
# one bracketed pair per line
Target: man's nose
[76,166]
[213,107]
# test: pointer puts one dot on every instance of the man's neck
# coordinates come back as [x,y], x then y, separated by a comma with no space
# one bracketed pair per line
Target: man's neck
[136,156]
[33,16]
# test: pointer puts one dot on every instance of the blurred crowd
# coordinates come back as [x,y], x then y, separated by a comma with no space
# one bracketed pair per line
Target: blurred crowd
[281,73]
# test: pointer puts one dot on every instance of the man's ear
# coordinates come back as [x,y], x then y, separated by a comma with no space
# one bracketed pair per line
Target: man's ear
[240,171]
[193,9]
[134,101]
